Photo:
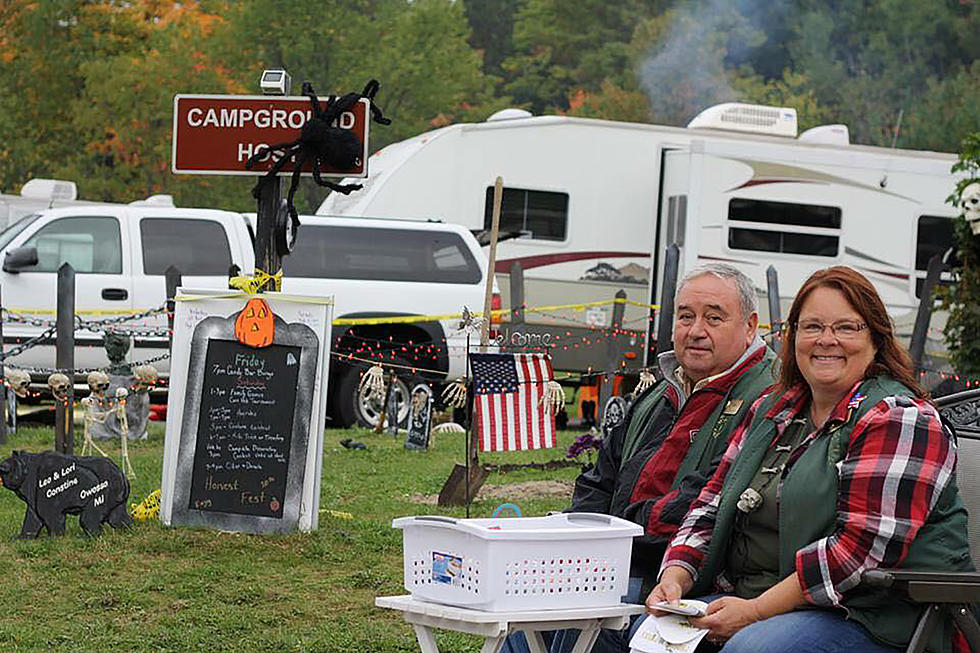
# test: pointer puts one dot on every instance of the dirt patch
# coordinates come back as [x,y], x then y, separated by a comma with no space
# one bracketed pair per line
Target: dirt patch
[511,491]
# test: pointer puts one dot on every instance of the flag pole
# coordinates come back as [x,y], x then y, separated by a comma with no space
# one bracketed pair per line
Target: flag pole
[469,419]
[498,197]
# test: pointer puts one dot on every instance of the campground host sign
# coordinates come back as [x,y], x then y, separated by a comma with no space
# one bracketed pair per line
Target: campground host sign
[216,134]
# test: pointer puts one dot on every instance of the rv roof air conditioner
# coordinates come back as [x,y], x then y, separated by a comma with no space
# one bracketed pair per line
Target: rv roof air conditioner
[751,118]
[50,190]
[509,114]
[827,135]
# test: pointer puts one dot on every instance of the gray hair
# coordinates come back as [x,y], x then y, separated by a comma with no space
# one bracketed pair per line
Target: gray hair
[747,300]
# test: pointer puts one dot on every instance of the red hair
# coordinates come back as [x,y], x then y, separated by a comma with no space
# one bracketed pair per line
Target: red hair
[891,357]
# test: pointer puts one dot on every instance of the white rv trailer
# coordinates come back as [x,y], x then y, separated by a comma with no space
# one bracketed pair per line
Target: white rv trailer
[598,201]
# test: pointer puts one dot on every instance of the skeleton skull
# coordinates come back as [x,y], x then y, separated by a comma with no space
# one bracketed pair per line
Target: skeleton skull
[60,385]
[146,376]
[18,380]
[970,203]
[98,383]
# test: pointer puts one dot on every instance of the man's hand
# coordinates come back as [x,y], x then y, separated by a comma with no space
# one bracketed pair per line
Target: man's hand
[726,616]
[674,583]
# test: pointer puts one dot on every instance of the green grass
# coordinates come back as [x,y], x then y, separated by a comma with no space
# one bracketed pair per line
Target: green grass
[155,588]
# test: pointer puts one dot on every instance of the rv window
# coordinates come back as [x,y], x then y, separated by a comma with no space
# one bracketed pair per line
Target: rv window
[543,214]
[92,245]
[328,252]
[195,247]
[934,235]
[778,241]
[784,213]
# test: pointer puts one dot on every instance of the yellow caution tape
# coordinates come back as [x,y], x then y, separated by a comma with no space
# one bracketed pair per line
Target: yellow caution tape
[257,282]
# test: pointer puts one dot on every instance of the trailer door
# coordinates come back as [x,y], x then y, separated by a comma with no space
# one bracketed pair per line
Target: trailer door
[672,221]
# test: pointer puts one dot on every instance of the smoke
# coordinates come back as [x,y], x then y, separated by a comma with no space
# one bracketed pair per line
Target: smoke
[691,50]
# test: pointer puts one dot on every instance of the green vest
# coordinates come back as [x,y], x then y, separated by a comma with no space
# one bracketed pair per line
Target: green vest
[808,512]
[712,437]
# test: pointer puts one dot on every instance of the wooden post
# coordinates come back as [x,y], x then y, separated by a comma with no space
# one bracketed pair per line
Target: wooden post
[917,346]
[516,293]
[612,354]
[173,280]
[65,358]
[775,312]
[665,327]
[498,196]
[3,394]
[267,256]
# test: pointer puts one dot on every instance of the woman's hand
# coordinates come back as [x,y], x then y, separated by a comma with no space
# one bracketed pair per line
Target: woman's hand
[674,583]
[726,616]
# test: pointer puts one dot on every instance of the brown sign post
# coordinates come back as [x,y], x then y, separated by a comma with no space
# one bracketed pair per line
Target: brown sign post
[216,134]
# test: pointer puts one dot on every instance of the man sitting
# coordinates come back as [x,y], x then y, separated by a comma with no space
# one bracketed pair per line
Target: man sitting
[653,465]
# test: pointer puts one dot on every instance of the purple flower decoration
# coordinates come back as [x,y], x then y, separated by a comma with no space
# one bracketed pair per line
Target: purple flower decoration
[585,443]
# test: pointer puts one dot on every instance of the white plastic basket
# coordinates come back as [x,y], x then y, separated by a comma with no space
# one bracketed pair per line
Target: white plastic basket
[570,560]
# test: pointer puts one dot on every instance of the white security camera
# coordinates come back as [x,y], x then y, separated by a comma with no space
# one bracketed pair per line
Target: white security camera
[275,81]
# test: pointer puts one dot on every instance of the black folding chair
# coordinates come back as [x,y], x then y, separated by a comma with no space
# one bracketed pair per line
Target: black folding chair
[950,594]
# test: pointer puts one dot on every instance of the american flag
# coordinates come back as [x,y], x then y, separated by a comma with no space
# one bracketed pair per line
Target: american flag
[507,406]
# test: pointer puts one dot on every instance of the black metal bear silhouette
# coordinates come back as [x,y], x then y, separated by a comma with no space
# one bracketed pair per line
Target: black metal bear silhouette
[54,485]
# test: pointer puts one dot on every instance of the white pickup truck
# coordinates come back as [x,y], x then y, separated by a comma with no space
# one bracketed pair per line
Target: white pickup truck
[373,268]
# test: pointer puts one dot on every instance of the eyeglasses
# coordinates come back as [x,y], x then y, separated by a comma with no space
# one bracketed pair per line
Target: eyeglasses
[842,330]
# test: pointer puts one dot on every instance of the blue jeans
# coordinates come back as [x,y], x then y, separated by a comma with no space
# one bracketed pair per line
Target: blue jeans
[562,641]
[800,631]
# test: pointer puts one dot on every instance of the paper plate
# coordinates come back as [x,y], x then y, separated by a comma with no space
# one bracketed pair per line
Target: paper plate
[674,628]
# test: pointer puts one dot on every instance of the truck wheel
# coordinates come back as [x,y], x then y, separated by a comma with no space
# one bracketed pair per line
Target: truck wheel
[353,405]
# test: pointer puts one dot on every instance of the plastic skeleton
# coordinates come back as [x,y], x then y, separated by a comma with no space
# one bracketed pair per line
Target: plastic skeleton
[322,143]
[374,381]
[454,395]
[94,412]
[18,380]
[646,380]
[553,397]
[970,203]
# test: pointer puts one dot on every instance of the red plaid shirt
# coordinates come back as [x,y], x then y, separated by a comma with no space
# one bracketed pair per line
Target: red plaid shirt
[898,461]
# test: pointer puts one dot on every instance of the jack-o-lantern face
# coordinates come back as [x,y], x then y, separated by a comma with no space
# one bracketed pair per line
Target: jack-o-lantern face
[255,325]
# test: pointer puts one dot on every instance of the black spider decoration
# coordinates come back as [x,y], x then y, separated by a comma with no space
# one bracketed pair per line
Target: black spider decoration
[322,142]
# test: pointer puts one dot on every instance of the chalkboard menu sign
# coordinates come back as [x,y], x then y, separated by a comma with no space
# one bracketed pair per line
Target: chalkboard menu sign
[245,424]
[245,428]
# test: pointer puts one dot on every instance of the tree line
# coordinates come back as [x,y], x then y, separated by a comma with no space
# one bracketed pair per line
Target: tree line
[87,86]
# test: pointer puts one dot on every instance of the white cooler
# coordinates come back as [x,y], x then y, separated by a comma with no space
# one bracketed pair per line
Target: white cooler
[568,560]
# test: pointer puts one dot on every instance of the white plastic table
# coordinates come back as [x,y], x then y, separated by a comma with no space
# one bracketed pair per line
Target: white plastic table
[495,626]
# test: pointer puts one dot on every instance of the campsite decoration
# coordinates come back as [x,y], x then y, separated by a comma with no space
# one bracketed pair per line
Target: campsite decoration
[116,347]
[255,325]
[454,394]
[243,452]
[98,383]
[53,485]
[17,380]
[613,414]
[647,380]
[448,427]
[148,508]
[374,381]
[420,418]
[60,386]
[970,204]
[553,397]
[508,412]
[320,142]
[105,418]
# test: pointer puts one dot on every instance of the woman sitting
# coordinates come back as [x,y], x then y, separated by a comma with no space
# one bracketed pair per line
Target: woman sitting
[844,467]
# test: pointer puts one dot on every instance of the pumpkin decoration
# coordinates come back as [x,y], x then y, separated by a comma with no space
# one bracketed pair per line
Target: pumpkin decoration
[255,325]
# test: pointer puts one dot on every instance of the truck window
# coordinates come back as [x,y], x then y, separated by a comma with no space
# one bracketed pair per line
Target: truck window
[544,214]
[764,226]
[195,247]
[934,235]
[328,252]
[91,244]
